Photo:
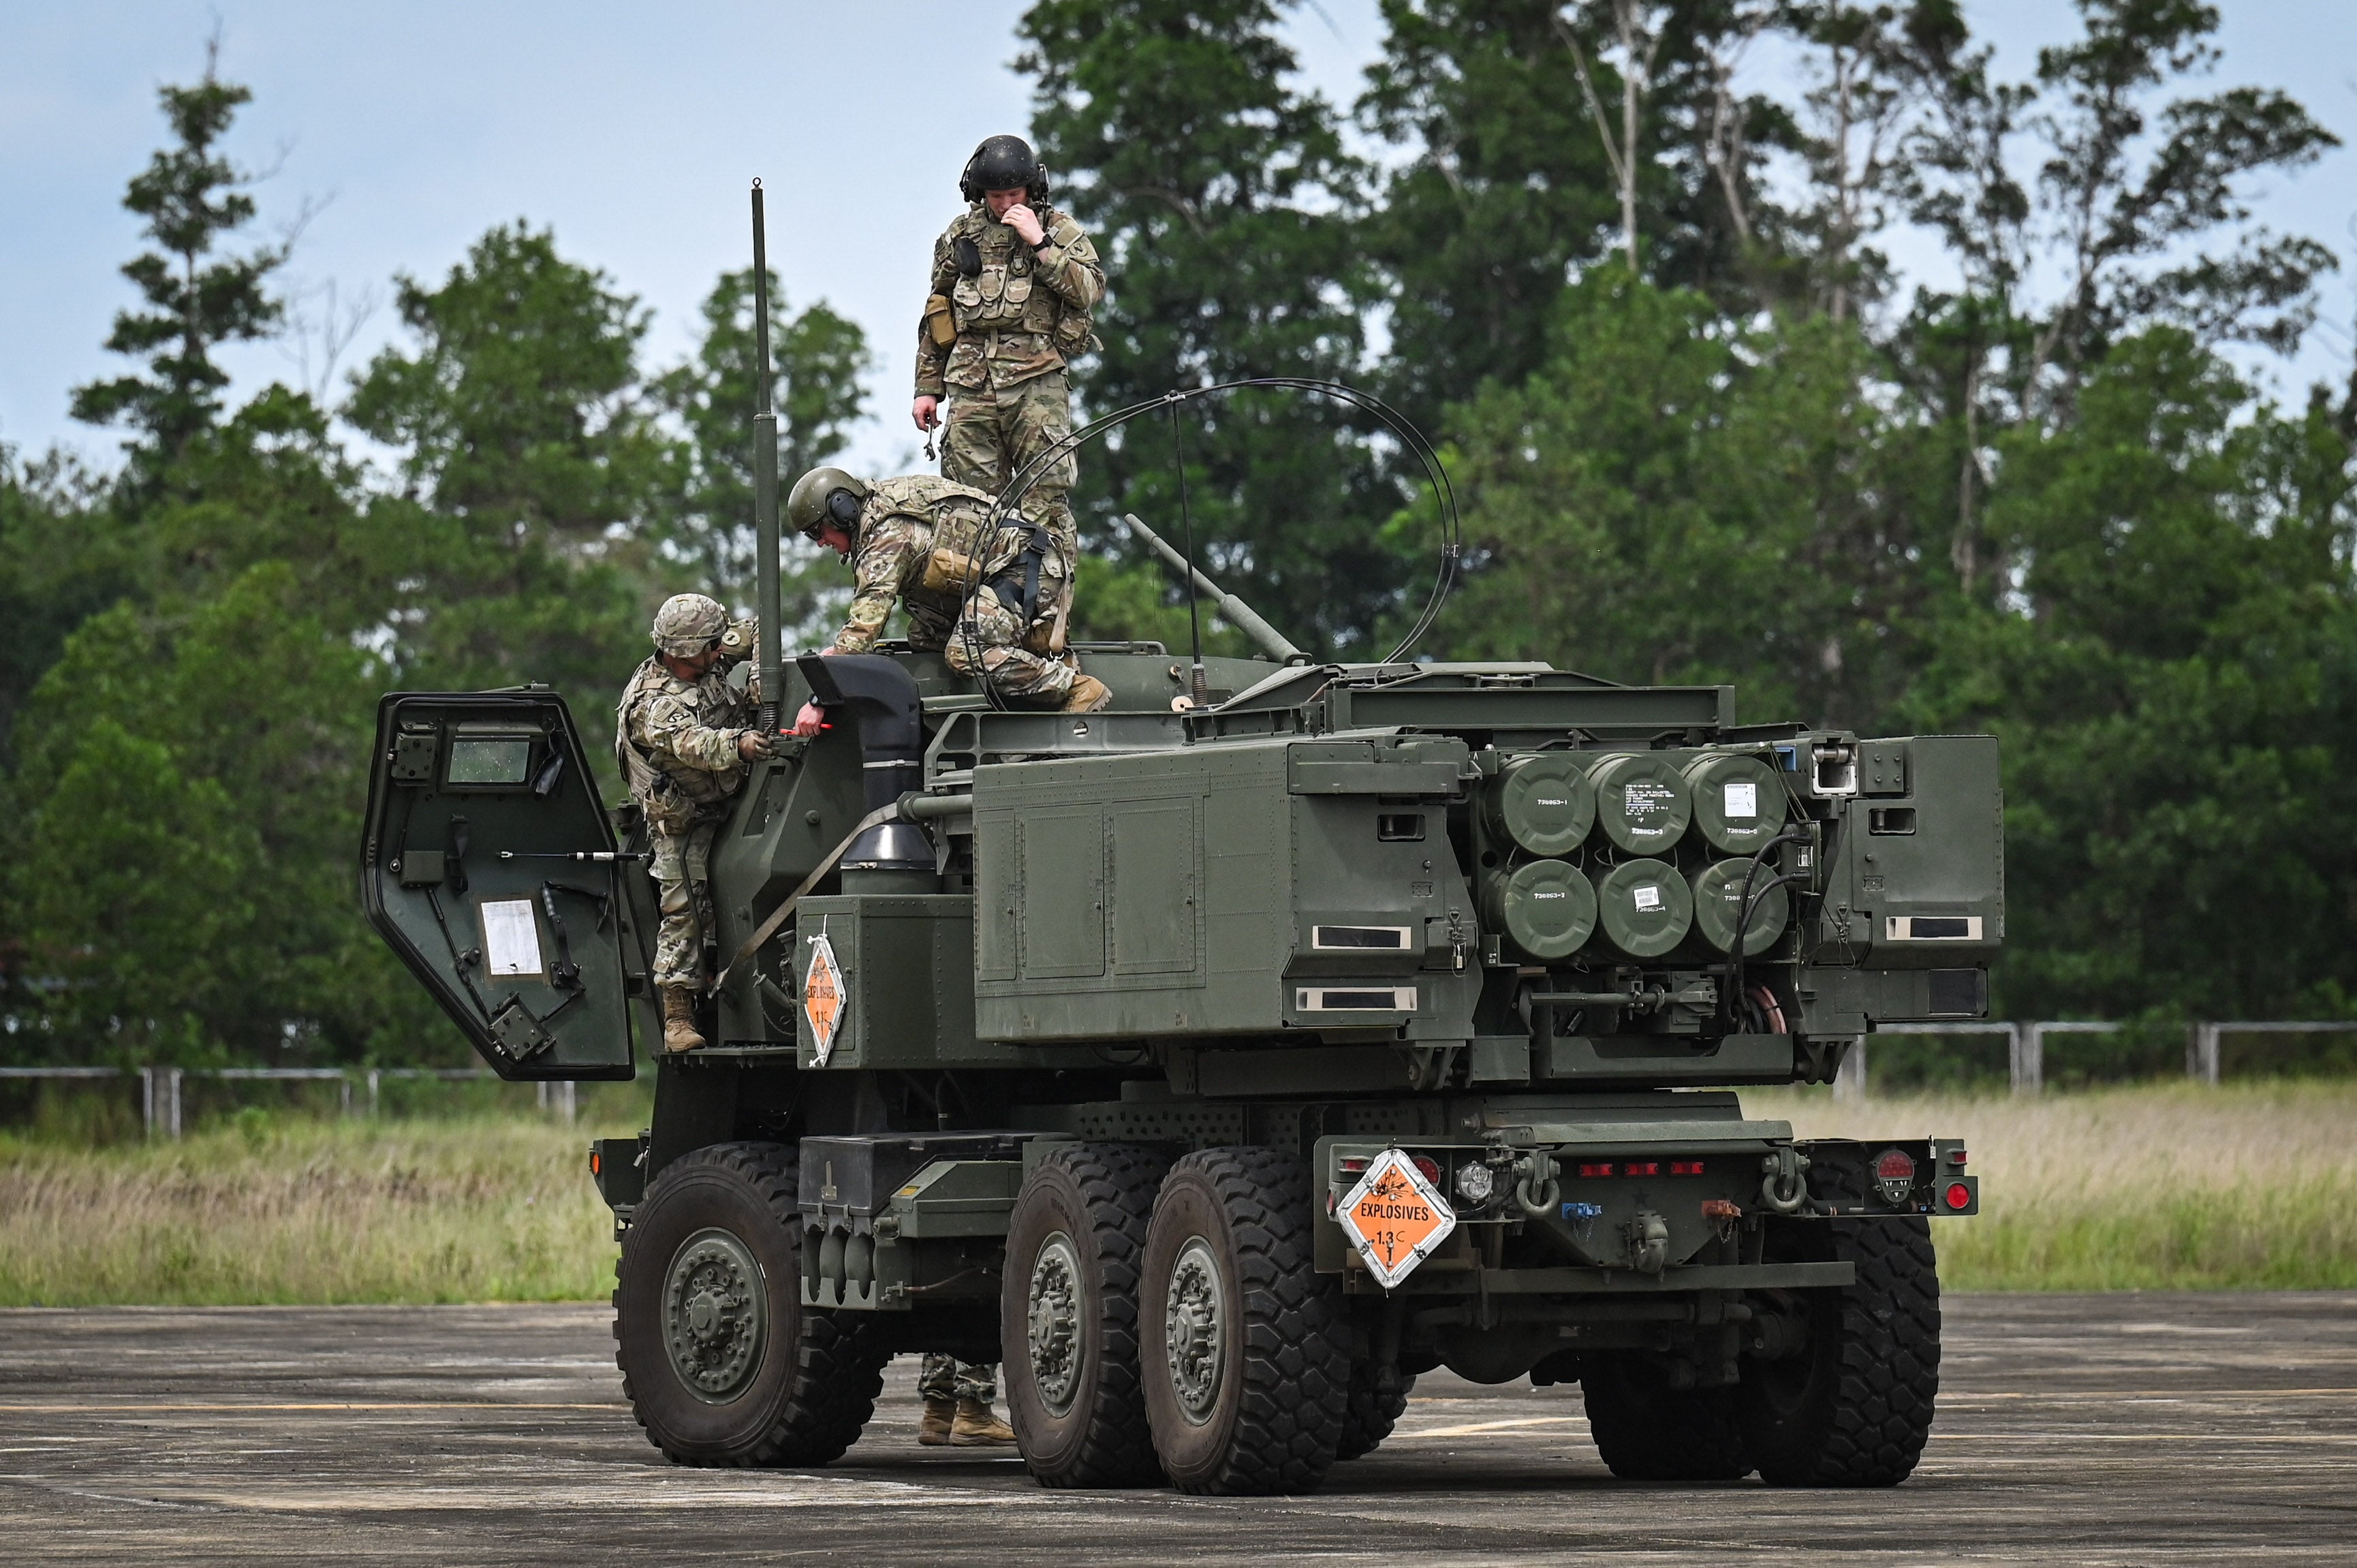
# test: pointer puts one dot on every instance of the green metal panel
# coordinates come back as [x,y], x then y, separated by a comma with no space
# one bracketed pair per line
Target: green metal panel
[1927,868]
[1156,851]
[907,963]
[1060,850]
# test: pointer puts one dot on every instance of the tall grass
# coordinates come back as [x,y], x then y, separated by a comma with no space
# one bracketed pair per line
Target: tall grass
[2150,1188]
[283,1210]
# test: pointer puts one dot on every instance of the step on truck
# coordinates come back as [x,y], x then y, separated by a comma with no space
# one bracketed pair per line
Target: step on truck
[1221,1061]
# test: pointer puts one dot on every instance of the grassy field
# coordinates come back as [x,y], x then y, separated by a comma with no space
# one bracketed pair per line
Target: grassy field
[2150,1188]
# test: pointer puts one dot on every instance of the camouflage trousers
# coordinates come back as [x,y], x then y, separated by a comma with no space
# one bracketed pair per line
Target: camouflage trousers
[942,1378]
[1012,653]
[995,432]
[682,863]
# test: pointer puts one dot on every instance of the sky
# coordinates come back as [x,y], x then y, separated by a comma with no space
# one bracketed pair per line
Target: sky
[634,131]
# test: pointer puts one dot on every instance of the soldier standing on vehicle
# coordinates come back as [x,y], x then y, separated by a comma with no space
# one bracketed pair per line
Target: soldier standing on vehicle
[1014,283]
[914,539]
[682,734]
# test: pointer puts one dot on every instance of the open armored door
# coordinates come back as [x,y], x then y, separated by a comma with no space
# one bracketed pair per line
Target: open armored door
[491,869]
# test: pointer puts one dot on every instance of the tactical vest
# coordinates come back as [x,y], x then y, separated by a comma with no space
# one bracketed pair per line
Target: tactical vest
[1001,295]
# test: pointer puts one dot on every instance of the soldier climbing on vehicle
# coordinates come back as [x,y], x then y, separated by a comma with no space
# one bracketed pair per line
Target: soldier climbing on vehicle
[682,734]
[916,538]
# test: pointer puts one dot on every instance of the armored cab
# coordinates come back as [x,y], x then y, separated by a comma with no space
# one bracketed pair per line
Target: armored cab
[1221,1061]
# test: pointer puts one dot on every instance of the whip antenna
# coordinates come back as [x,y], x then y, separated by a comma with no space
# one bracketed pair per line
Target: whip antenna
[765,477]
[1199,684]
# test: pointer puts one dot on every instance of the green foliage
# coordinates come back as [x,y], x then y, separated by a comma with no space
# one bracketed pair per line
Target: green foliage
[1217,197]
[817,358]
[191,196]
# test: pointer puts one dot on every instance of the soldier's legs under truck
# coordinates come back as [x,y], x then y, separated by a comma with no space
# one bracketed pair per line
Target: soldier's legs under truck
[958,1396]
[995,432]
[681,867]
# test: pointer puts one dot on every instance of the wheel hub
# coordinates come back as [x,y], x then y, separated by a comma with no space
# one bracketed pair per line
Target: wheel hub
[1194,1330]
[714,1316]
[1054,1323]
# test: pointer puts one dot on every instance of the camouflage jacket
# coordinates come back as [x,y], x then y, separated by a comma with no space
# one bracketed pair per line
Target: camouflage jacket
[904,522]
[1026,313]
[676,741]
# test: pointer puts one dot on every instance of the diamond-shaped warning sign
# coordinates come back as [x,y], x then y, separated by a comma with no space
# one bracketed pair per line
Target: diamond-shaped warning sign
[1394,1216]
[823,996]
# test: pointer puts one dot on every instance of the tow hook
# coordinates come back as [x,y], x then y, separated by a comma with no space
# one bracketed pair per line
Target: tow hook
[1784,1189]
[1649,1243]
[1537,1193]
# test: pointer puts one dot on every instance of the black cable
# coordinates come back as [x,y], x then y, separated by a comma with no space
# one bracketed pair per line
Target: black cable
[1743,909]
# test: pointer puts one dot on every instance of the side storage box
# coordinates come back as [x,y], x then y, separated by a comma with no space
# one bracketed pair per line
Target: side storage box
[905,963]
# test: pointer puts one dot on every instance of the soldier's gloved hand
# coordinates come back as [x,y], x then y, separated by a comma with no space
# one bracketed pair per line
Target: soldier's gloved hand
[810,720]
[752,743]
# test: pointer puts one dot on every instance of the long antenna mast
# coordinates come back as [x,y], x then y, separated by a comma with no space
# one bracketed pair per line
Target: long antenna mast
[765,477]
[1199,684]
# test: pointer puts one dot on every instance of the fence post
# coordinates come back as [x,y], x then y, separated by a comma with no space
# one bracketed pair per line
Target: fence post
[1849,1079]
[2029,1053]
[566,1100]
[172,1097]
[373,1075]
[2209,1050]
[147,1100]
[344,1094]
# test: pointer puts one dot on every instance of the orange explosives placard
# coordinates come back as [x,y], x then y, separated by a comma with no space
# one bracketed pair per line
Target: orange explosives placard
[823,996]
[1394,1216]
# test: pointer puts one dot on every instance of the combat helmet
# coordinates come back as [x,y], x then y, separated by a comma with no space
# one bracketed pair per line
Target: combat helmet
[1003,163]
[824,496]
[688,624]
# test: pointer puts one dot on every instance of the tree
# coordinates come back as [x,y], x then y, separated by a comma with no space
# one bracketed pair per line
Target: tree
[192,197]
[1218,197]
[534,472]
[817,358]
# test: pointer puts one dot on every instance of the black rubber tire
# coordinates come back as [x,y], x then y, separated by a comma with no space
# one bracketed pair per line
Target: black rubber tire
[1648,1431]
[1273,1423]
[1854,1409]
[1371,1414]
[1100,1196]
[818,1376]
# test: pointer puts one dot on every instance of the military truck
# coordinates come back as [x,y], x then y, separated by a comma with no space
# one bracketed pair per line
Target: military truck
[1221,1061]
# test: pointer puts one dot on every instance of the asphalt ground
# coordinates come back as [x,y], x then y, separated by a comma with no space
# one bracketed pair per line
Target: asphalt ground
[2078,1429]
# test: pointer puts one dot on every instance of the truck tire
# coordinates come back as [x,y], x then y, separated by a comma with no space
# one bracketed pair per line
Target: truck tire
[1853,1409]
[1246,1365]
[1371,1413]
[721,1362]
[1069,1316]
[1648,1431]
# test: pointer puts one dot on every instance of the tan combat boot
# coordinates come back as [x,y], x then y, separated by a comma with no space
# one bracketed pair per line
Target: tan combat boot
[1088,694]
[933,1431]
[679,1018]
[977,1426]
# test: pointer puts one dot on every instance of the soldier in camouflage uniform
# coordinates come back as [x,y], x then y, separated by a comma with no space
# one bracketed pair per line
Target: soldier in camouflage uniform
[682,734]
[914,540]
[1014,282]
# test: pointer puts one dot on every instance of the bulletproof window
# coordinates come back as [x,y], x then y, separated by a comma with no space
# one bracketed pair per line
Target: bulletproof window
[1359,938]
[1890,819]
[505,760]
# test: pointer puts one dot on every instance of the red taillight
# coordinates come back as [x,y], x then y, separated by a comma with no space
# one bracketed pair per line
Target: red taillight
[1596,1170]
[1959,1195]
[1355,1164]
[1894,1165]
[1686,1168]
[593,1163]
[1956,1158]
[1649,1168]
[1430,1167]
